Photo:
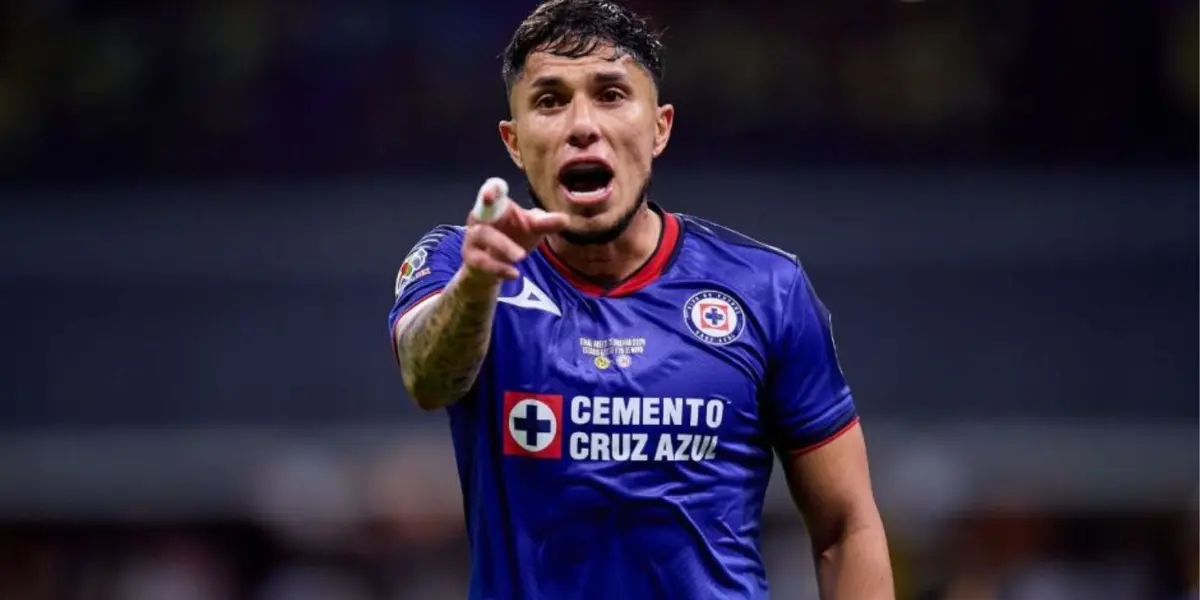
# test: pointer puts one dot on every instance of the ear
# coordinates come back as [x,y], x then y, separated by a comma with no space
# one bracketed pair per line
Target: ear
[508,135]
[662,128]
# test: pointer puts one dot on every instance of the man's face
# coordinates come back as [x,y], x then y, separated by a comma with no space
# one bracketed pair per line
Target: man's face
[585,131]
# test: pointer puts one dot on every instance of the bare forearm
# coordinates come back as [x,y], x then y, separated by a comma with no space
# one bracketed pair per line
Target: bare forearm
[443,347]
[856,566]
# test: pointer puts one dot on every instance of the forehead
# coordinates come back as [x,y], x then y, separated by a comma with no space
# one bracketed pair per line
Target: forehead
[605,62]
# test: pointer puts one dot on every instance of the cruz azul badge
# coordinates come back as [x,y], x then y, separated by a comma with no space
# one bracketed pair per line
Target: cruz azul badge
[714,317]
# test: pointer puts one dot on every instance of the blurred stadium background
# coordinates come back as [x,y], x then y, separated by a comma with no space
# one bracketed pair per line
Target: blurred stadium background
[204,205]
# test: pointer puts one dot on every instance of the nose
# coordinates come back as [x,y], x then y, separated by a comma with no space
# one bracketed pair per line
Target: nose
[584,130]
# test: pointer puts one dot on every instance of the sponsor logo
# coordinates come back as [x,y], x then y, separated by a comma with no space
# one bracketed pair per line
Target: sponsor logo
[613,428]
[533,425]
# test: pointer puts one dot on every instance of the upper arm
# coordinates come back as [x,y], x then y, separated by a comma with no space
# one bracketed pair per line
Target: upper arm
[831,486]
[427,269]
[812,418]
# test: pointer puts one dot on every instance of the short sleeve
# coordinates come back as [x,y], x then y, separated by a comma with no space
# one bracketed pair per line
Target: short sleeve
[426,270]
[808,401]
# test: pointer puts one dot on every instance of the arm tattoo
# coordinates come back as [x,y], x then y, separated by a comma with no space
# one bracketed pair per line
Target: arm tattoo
[442,349]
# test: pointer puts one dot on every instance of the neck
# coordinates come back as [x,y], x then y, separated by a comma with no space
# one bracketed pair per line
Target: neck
[618,259]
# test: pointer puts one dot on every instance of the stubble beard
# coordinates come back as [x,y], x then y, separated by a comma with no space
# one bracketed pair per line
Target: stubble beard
[603,236]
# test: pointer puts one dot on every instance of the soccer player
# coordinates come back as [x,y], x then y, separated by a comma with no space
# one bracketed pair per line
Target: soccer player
[619,377]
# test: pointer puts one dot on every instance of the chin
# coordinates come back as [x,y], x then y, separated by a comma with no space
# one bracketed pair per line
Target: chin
[593,220]
[587,215]
[601,228]
[590,224]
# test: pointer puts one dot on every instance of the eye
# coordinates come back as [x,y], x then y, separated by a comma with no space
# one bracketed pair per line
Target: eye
[545,101]
[612,95]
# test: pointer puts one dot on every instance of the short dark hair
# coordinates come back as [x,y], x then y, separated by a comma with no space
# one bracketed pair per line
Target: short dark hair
[576,28]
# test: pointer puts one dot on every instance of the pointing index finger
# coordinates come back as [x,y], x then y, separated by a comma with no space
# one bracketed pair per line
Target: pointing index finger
[544,223]
[492,200]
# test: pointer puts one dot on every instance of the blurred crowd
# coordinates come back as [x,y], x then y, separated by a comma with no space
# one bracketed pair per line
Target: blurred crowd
[987,556]
[134,88]
[314,525]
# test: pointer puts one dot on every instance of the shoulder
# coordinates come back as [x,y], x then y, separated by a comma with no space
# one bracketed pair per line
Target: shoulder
[438,248]
[439,239]
[722,242]
[770,281]
[439,235]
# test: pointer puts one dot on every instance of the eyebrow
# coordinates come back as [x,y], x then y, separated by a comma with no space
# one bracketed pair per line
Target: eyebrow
[605,77]
[602,78]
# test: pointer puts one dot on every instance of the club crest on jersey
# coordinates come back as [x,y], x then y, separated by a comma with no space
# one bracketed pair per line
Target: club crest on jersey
[533,425]
[714,317]
[413,268]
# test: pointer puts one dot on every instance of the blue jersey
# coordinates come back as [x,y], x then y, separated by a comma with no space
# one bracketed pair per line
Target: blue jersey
[618,442]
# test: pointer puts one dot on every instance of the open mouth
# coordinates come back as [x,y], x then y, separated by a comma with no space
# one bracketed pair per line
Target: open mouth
[586,181]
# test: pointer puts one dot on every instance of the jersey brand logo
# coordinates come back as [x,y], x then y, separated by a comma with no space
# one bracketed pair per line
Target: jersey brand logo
[714,317]
[532,297]
[533,425]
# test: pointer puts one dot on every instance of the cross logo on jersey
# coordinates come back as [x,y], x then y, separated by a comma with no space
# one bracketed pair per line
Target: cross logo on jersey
[714,317]
[532,425]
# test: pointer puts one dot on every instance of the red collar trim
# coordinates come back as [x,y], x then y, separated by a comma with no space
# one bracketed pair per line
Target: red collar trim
[646,274]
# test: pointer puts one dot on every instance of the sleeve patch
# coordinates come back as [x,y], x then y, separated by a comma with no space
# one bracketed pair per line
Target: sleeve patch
[414,267]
